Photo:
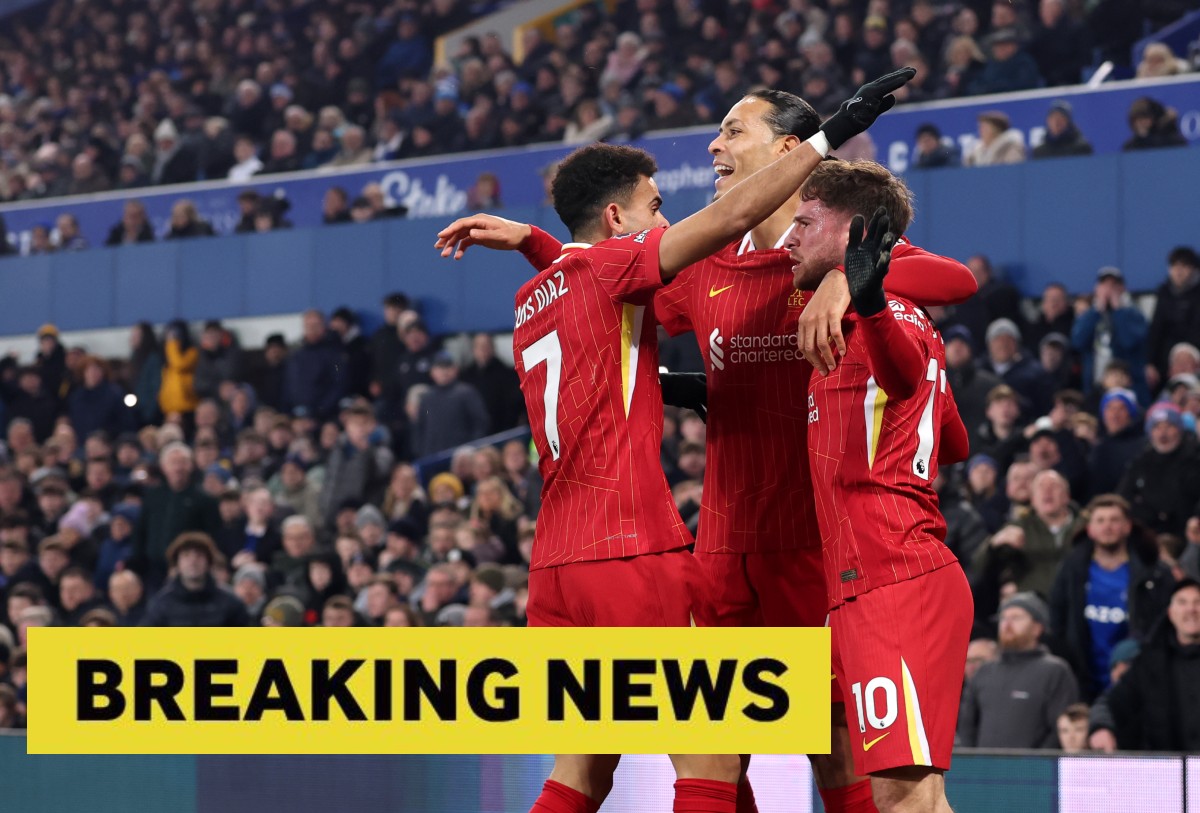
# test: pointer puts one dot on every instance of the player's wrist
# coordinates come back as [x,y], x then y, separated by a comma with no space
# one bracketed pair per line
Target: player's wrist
[820,142]
[531,233]
[870,305]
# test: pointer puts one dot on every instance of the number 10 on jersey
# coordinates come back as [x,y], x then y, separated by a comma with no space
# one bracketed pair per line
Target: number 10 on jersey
[549,350]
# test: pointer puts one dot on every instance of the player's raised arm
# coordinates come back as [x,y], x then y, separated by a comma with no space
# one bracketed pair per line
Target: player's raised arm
[540,248]
[955,444]
[895,357]
[929,279]
[751,202]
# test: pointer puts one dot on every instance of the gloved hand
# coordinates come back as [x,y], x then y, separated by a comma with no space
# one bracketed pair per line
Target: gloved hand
[867,261]
[860,111]
[686,390]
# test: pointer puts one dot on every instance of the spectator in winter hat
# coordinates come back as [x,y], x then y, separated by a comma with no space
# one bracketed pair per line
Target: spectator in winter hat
[1162,483]
[1063,137]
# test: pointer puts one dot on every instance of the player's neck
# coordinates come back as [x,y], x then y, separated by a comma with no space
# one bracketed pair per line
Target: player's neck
[768,233]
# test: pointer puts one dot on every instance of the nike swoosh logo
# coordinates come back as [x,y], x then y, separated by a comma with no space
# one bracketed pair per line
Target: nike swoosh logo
[714,290]
[867,746]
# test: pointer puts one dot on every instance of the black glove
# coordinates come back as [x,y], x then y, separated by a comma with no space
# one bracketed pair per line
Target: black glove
[867,261]
[686,390]
[870,102]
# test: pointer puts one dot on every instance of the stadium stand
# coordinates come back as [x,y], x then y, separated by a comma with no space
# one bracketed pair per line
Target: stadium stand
[363,470]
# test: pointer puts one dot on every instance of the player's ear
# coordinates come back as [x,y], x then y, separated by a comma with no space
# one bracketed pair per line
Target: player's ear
[614,219]
[788,143]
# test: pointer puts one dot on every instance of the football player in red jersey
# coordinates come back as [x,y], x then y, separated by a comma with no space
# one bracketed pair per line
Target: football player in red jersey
[878,422]
[758,543]
[608,528]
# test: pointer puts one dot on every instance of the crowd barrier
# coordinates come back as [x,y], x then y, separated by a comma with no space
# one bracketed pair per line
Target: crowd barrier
[993,782]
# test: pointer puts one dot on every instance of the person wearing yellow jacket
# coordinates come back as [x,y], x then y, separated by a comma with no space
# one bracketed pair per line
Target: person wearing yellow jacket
[178,393]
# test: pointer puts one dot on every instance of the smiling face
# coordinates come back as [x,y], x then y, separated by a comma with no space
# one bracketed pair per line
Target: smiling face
[744,144]
[643,211]
[817,242]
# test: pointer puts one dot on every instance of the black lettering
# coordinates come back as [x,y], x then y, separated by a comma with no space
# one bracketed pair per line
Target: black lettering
[383,690]
[585,696]
[699,680]
[625,690]
[441,693]
[207,690]
[97,680]
[146,692]
[753,681]
[509,697]
[274,692]
[326,687]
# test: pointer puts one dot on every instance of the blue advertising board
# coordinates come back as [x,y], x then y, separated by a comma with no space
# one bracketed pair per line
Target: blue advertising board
[438,187]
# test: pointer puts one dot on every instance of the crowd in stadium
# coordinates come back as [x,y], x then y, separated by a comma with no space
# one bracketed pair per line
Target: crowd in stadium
[123,95]
[275,485]
[200,482]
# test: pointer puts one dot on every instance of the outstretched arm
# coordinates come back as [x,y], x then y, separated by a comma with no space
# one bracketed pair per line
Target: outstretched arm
[500,234]
[929,279]
[750,202]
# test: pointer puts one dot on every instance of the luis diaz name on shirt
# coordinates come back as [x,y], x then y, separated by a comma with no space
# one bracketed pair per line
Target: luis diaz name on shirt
[549,291]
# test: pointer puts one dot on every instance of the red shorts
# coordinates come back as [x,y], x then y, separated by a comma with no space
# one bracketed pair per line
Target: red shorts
[899,653]
[775,589]
[651,590]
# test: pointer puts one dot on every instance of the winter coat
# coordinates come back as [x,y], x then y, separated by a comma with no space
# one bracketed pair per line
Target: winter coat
[450,416]
[1112,457]
[178,393]
[1176,319]
[315,378]
[213,368]
[1164,489]
[1150,584]
[1071,142]
[210,606]
[147,387]
[498,385]
[1018,73]
[1128,344]
[1155,706]
[1007,148]
[99,408]
[353,473]
[166,513]
[1015,702]
[1033,385]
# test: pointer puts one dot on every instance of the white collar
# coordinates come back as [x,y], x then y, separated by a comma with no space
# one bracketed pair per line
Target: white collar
[748,241]
[566,246]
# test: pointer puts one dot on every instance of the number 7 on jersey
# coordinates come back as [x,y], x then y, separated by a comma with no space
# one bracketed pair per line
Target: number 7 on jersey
[549,350]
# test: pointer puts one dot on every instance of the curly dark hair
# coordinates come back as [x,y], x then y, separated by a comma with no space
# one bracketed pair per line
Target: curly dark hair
[594,176]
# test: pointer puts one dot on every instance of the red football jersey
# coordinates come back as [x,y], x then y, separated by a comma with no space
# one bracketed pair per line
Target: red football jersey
[586,350]
[741,304]
[743,309]
[875,456]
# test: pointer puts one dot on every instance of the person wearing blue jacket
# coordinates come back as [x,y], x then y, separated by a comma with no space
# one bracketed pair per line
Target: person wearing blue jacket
[98,404]
[315,376]
[1112,329]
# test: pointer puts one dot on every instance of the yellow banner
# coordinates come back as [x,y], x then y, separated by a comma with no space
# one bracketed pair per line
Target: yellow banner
[428,691]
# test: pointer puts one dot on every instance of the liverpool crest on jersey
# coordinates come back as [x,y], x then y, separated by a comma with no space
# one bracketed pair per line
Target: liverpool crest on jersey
[796,300]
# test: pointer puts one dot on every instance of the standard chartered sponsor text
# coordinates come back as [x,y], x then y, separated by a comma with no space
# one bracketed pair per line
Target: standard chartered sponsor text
[745,349]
